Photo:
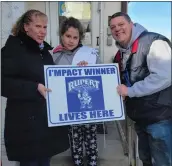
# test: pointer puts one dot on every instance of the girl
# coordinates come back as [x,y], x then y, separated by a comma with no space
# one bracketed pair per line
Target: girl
[71,34]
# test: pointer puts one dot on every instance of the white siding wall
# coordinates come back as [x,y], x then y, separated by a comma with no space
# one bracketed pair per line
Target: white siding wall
[109,9]
[35,5]
[10,11]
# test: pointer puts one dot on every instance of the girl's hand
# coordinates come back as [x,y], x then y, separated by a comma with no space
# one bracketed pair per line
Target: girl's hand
[82,63]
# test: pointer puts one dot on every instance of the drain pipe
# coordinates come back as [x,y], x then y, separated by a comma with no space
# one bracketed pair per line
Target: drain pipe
[101,30]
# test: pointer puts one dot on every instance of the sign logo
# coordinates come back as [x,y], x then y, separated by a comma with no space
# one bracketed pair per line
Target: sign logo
[84,93]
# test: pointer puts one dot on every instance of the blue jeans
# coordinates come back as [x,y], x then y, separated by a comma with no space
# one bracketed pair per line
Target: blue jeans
[155,143]
[43,162]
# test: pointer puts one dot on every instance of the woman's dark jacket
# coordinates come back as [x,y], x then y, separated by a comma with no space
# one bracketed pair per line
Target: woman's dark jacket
[27,135]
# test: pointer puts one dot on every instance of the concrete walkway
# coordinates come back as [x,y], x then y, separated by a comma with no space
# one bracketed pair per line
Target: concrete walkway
[110,150]
[109,155]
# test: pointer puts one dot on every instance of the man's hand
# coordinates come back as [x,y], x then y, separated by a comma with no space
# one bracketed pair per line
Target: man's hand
[82,63]
[122,90]
[42,90]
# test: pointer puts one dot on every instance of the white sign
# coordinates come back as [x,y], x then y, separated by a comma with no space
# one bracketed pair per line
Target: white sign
[83,94]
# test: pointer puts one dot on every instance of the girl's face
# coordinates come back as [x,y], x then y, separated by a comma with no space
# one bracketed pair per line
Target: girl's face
[70,38]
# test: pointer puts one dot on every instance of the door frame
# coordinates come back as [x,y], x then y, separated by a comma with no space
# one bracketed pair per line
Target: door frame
[53,23]
[52,10]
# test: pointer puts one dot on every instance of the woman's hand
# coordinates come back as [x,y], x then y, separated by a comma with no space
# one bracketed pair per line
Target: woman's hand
[82,63]
[42,90]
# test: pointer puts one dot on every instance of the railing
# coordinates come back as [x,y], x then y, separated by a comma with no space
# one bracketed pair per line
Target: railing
[129,141]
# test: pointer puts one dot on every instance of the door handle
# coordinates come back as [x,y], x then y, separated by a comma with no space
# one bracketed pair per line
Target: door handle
[97,41]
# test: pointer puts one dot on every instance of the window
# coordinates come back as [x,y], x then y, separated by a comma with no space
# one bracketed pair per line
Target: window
[79,10]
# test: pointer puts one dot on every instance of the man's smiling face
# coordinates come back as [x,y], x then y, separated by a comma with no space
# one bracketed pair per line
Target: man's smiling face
[121,30]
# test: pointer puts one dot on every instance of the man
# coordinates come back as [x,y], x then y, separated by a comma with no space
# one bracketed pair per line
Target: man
[145,63]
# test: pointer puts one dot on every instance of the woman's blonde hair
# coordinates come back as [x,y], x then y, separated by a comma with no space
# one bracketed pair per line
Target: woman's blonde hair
[26,18]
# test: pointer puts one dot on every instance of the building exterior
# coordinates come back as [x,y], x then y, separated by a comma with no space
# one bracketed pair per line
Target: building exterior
[93,15]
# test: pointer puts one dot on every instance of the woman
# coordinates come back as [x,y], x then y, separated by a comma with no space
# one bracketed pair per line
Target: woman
[28,139]
[71,50]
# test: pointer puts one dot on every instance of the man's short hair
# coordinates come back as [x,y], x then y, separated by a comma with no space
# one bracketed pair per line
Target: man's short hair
[126,16]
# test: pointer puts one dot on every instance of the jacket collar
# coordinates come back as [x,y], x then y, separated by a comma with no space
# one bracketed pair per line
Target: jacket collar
[61,48]
[32,44]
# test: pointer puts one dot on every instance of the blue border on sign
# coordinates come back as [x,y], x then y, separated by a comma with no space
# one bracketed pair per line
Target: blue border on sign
[121,100]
